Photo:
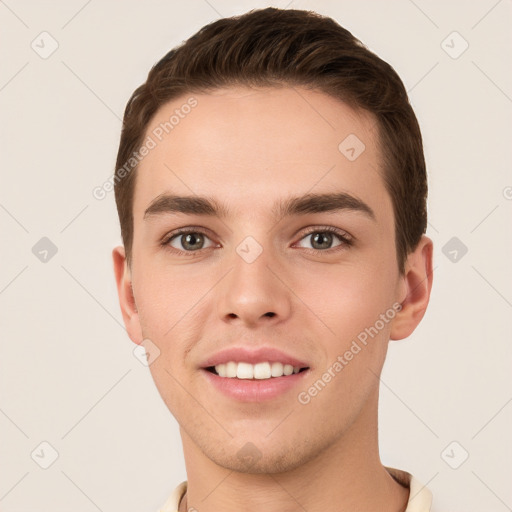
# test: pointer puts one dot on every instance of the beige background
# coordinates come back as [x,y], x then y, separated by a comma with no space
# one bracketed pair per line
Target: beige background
[68,375]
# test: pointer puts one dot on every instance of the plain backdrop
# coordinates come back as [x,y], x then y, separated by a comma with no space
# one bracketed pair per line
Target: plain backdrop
[68,374]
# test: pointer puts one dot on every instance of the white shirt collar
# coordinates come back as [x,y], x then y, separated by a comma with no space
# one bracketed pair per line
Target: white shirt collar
[420,497]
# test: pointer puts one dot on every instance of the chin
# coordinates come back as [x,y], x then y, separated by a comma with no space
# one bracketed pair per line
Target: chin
[262,457]
[266,464]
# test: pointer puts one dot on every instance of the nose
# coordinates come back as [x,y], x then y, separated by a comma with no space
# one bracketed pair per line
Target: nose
[254,293]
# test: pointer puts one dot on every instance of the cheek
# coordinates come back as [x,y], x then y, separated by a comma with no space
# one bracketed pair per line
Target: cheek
[346,299]
[165,297]
[354,337]
[167,308]
[170,385]
[171,314]
[349,302]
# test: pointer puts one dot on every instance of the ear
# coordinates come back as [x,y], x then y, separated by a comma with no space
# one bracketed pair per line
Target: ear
[416,286]
[125,293]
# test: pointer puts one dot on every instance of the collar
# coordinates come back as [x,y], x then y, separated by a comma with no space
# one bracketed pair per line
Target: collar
[420,497]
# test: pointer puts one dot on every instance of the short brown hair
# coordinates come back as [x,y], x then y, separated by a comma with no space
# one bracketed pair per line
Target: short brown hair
[276,47]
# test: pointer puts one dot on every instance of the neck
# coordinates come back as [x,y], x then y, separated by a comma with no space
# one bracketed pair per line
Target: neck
[348,475]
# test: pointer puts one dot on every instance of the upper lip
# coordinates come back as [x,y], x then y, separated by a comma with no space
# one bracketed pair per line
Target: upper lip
[253,356]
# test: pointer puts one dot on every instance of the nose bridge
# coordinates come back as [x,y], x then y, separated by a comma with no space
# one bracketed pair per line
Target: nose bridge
[251,291]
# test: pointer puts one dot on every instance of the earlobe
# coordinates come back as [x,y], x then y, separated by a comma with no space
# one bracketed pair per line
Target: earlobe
[126,296]
[418,284]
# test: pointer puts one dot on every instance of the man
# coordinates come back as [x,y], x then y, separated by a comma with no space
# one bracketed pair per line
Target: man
[271,190]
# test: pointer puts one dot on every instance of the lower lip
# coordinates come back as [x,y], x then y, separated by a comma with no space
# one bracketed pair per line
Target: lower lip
[255,390]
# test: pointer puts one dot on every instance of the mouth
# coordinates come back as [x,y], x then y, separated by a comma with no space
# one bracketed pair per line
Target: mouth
[254,374]
[260,371]
[255,383]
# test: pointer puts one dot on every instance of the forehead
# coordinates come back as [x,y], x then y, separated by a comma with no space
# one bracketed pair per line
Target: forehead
[249,147]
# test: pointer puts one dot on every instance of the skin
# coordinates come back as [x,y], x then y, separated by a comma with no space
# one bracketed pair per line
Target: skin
[249,148]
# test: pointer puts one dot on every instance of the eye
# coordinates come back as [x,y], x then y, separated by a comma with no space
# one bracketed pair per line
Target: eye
[188,241]
[322,239]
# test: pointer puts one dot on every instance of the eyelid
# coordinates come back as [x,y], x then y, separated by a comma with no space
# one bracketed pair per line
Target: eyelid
[346,238]
[329,229]
[185,231]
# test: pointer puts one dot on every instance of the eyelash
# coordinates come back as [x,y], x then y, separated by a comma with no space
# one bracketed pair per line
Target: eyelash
[345,239]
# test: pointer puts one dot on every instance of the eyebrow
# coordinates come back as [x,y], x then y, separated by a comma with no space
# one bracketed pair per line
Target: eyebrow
[302,205]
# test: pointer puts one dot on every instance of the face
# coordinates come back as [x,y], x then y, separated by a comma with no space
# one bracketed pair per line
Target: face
[299,258]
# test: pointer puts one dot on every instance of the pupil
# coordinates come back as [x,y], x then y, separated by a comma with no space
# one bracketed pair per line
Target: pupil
[191,241]
[326,237]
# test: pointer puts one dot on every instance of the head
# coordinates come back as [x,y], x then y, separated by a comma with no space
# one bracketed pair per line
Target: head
[291,154]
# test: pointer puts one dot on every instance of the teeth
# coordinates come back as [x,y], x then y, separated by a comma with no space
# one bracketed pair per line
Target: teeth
[230,369]
[262,371]
[288,369]
[221,370]
[277,369]
[245,371]
[255,371]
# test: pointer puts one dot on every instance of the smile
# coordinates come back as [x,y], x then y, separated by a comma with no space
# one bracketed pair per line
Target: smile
[260,371]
